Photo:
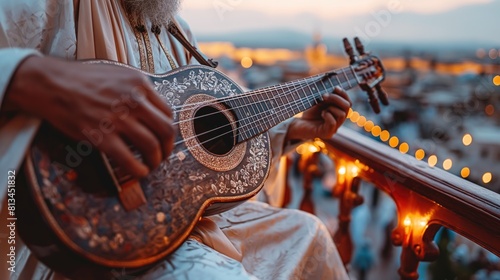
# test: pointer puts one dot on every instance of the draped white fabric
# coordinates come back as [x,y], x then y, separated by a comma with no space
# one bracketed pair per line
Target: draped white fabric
[252,241]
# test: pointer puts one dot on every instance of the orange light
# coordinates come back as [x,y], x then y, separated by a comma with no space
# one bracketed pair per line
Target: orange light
[246,62]
[465,172]
[369,126]
[361,122]
[404,148]
[376,130]
[394,141]
[487,177]
[342,170]
[467,139]
[496,80]
[349,114]
[385,135]
[432,160]
[354,116]
[447,164]
[354,171]
[420,154]
[407,222]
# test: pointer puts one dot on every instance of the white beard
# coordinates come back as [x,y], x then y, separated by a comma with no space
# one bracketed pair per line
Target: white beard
[159,12]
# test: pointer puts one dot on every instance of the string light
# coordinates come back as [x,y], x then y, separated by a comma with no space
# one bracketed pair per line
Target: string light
[487,177]
[432,160]
[420,154]
[467,139]
[465,172]
[447,164]
[394,141]
[404,148]
[384,135]
[496,80]
[376,130]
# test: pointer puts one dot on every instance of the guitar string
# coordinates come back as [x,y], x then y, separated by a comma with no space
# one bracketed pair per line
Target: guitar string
[282,110]
[280,95]
[257,116]
[291,87]
[263,90]
[285,108]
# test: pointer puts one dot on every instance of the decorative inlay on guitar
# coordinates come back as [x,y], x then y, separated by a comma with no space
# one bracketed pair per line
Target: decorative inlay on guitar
[95,218]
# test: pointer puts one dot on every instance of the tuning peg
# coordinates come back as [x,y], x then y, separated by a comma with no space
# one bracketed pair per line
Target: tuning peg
[348,49]
[359,46]
[382,95]
[373,100]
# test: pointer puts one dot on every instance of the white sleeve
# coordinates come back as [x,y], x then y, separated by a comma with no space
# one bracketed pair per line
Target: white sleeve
[10,58]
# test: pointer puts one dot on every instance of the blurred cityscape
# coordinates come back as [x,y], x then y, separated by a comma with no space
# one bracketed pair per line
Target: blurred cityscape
[444,110]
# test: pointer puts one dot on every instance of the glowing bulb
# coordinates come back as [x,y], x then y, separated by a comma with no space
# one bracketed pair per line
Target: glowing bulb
[487,177]
[447,164]
[361,122]
[342,170]
[496,80]
[420,154]
[369,126]
[349,114]
[465,172]
[246,62]
[404,148]
[354,117]
[394,141]
[385,135]
[467,139]
[354,170]
[313,149]
[433,160]
[376,131]
[407,222]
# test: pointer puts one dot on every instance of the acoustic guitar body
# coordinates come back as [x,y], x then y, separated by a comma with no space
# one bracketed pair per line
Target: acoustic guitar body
[70,214]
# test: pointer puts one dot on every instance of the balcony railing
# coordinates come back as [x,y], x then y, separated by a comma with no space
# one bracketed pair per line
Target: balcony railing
[426,198]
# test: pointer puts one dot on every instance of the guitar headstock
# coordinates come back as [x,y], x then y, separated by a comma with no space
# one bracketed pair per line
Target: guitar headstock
[369,72]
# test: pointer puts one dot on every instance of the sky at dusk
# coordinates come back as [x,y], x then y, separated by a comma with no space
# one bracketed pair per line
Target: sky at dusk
[403,20]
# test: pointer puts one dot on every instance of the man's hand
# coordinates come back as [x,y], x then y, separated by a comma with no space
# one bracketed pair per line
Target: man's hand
[109,106]
[322,120]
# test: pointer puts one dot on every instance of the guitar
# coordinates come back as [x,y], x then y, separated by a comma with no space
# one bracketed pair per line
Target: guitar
[94,218]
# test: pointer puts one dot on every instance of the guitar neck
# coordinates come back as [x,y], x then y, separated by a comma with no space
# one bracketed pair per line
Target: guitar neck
[259,110]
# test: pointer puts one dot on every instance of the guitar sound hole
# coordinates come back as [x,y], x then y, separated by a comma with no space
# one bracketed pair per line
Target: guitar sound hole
[213,130]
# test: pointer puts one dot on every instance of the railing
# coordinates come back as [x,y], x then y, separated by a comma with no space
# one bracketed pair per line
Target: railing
[426,198]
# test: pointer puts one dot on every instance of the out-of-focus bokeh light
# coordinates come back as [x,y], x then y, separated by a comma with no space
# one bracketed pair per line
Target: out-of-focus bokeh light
[447,164]
[496,80]
[487,177]
[420,154]
[394,142]
[467,139]
[489,110]
[404,148]
[385,135]
[432,160]
[246,62]
[493,53]
[376,130]
[465,172]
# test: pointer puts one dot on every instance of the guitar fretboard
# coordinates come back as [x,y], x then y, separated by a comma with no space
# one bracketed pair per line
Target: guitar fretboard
[259,110]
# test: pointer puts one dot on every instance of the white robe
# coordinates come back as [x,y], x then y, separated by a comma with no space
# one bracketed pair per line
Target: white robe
[252,241]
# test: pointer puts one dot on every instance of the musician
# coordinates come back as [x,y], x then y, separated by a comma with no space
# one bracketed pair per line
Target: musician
[39,41]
